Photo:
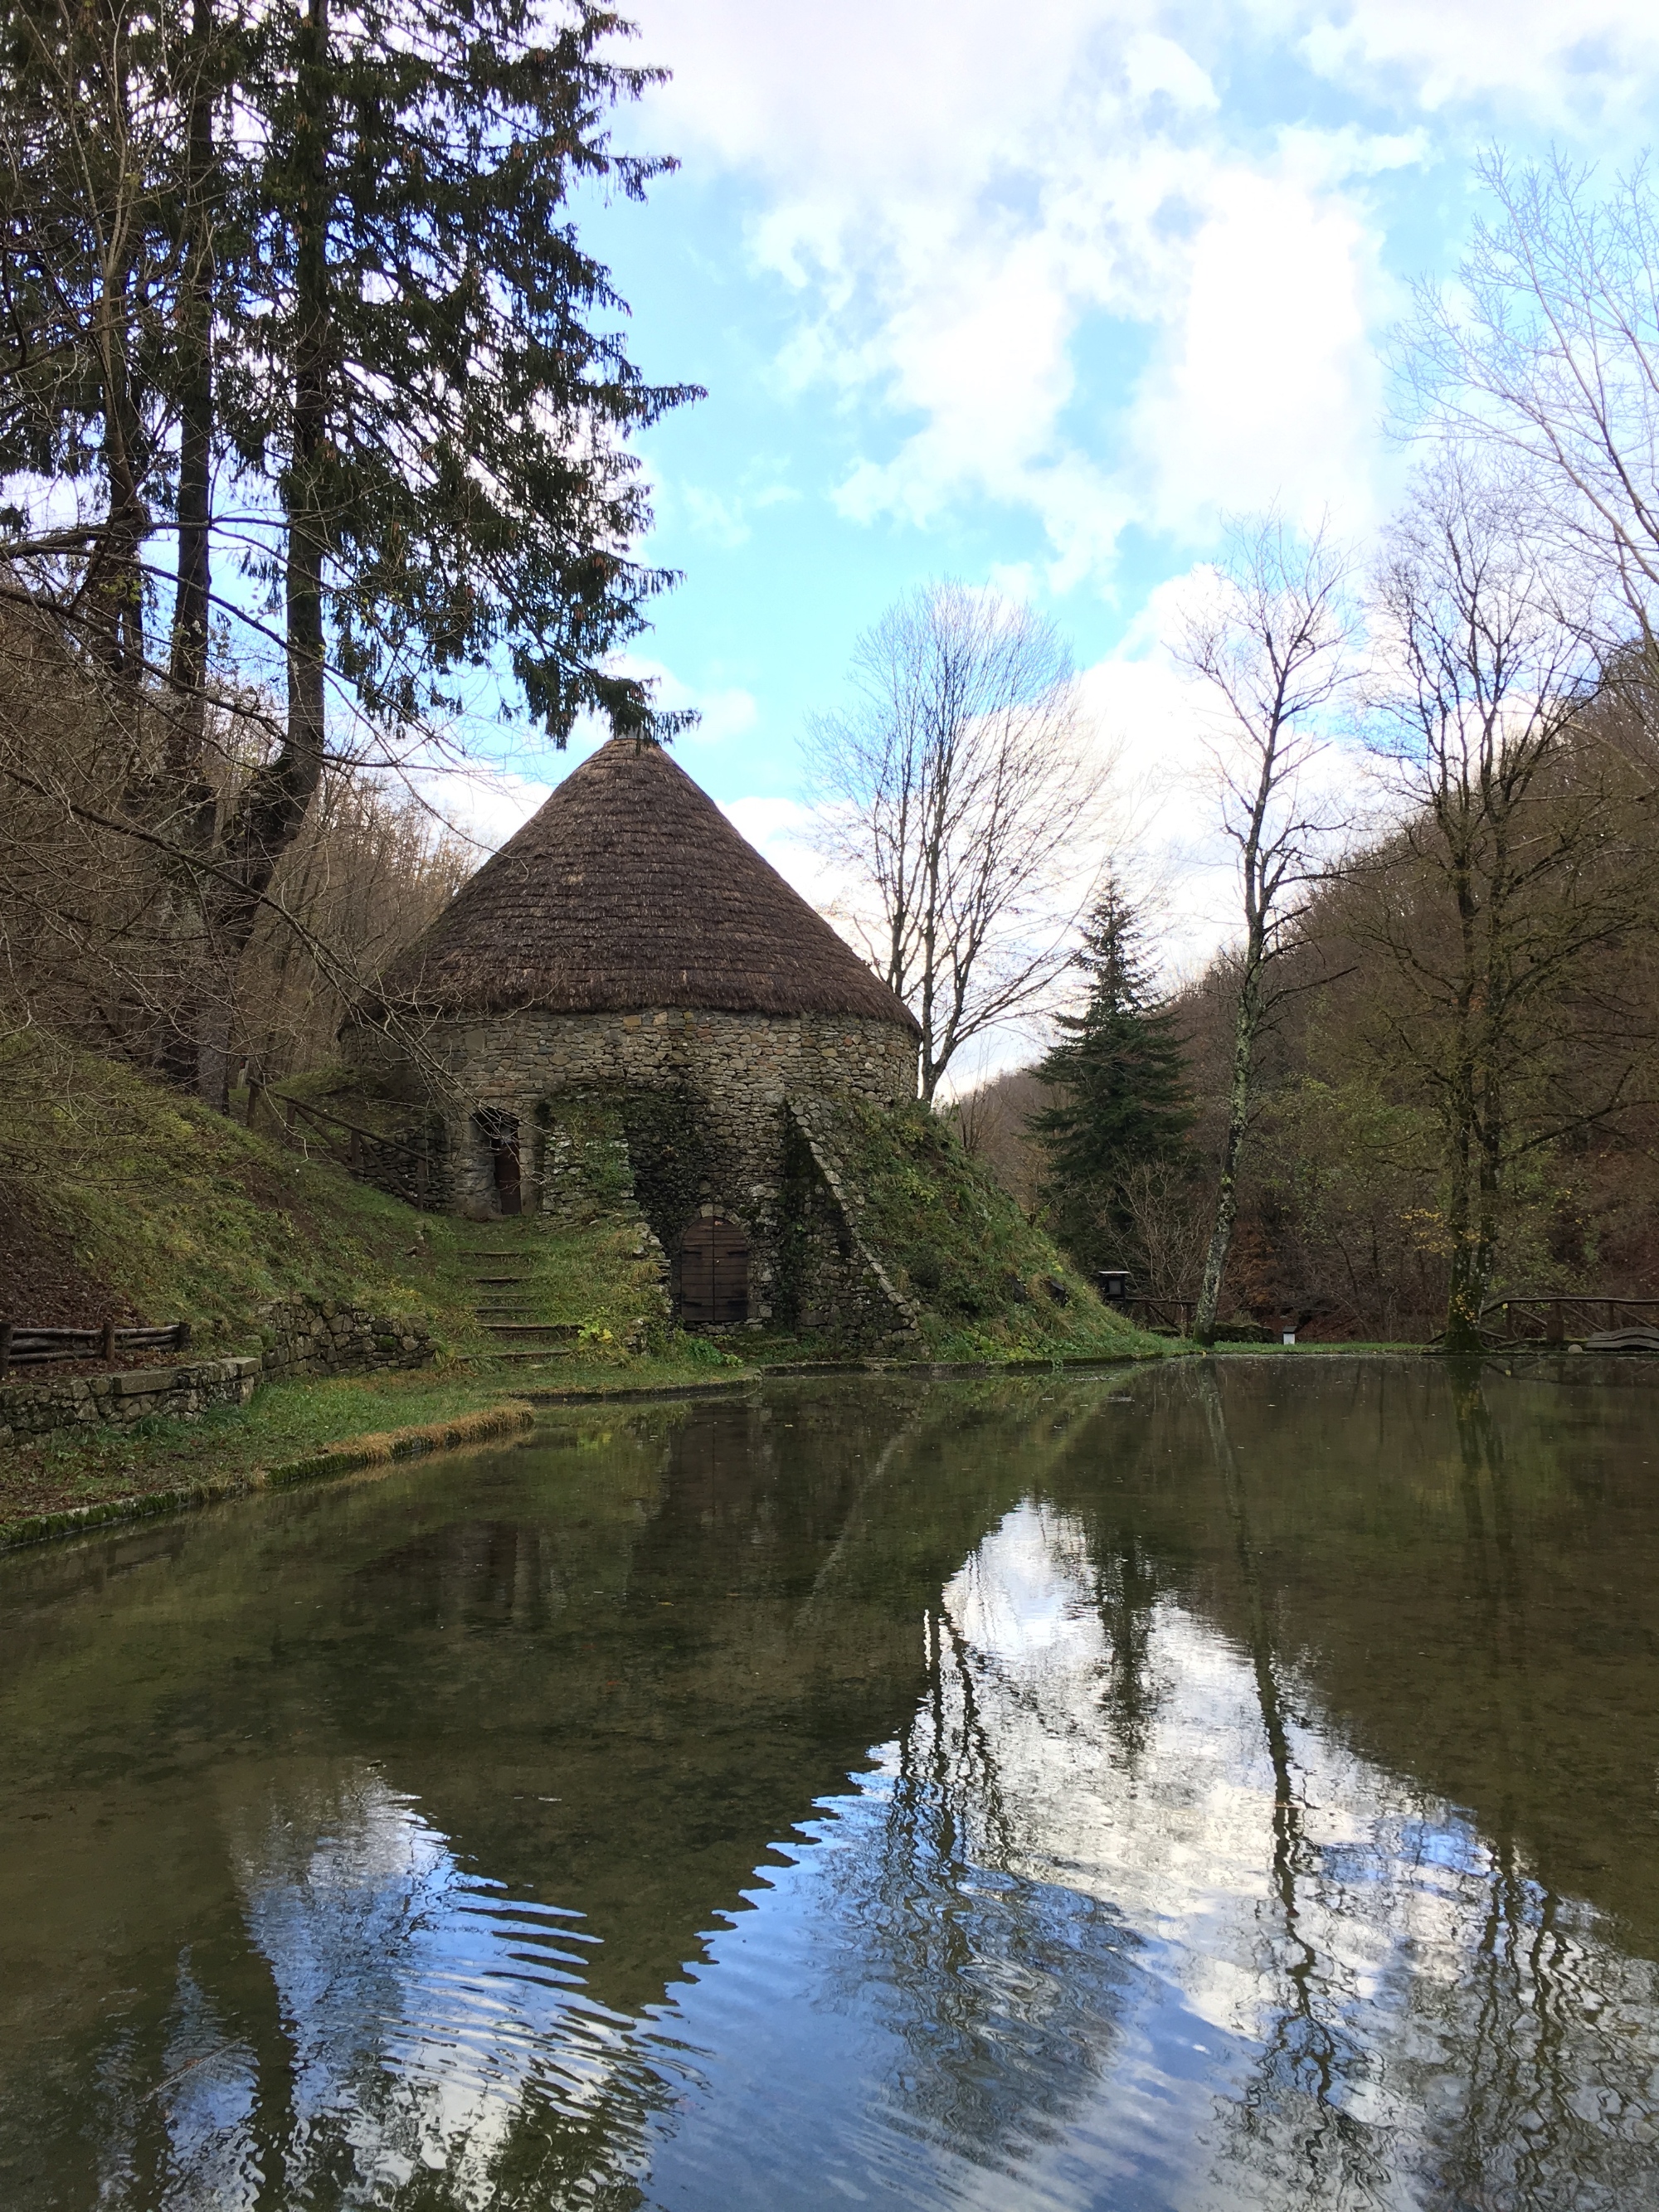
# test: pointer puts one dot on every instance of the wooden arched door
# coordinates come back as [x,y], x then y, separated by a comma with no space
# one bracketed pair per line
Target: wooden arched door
[714,1274]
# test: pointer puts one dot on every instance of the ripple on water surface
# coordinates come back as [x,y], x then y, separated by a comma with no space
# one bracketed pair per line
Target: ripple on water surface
[1002,1796]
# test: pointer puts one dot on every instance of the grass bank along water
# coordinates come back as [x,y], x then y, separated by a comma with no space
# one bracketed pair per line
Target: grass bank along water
[58,1484]
[120,1198]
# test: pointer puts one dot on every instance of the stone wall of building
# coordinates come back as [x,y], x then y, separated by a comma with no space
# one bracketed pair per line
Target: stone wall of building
[829,1281]
[317,1336]
[742,1065]
[298,1336]
[678,1112]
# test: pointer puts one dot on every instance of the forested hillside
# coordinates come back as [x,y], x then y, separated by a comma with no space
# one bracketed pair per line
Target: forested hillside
[1533,1006]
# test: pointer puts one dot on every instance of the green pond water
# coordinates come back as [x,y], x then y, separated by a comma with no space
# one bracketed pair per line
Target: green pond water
[1233,1784]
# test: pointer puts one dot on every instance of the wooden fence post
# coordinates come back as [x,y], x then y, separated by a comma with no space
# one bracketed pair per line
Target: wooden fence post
[109,1337]
[5,1350]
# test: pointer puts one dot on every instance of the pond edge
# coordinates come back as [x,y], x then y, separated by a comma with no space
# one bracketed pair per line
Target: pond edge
[381,1451]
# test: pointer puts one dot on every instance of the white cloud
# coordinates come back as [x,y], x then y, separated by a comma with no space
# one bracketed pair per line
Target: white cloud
[1153,64]
[726,711]
[481,803]
[1269,391]
[957,208]
[782,828]
[1563,66]
[722,518]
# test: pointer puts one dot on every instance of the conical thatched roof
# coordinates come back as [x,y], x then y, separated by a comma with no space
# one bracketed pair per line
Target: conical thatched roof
[630,889]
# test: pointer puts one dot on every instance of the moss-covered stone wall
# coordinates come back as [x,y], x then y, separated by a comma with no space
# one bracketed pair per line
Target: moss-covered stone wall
[297,1336]
[676,1113]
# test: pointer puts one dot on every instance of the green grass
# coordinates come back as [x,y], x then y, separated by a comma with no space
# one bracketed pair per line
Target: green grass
[187,1216]
[599,1277]
[286,1422]
[992,1286]
[1317,1351]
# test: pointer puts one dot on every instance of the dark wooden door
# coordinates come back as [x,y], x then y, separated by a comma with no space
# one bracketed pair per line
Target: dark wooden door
[507,1184]
[714,1274]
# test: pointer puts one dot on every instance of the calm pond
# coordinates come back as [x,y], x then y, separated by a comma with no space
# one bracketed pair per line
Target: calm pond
[1233,1784]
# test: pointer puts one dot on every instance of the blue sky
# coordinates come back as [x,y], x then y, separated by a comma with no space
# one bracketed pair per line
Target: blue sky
[1033,297]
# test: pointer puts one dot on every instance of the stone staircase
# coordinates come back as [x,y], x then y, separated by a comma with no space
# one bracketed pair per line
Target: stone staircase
[511,1307]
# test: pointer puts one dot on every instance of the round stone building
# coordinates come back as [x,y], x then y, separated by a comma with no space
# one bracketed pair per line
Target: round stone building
[628,1003]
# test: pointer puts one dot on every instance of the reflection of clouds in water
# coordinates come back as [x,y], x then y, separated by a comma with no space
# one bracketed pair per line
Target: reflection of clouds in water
[1035,1961]
[427,2013]
[211,2087]
[1396,2001]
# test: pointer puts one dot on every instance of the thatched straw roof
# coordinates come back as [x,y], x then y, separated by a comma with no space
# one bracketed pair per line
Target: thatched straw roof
[630,889]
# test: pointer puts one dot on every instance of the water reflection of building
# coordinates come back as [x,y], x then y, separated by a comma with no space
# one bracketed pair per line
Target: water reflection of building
[1124,1899]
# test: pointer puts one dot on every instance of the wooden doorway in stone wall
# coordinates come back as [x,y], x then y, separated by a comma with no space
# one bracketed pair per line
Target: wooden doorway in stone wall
[501,1133]
[714,1274]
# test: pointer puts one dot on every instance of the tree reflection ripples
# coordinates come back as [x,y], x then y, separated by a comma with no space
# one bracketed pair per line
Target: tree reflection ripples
[993,1796]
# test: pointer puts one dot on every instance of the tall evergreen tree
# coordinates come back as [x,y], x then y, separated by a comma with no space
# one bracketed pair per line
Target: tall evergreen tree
[326,322]
[1120,1073]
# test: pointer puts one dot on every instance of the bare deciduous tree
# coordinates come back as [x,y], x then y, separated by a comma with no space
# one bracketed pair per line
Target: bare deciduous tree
[1514,860]
[1550,351]
[955,795]
[1272,648]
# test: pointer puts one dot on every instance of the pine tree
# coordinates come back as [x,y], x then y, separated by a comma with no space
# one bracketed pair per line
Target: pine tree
[1120,1073]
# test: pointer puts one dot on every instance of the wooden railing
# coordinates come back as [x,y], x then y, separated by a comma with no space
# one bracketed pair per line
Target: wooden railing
[22,1344]
[1175,1314]
[350,1154]
[1565,1317]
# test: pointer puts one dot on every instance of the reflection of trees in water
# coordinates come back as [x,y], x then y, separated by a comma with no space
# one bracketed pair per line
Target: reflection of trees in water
[1004,1990]
[1426,2022]
[1493,2084]
[1126,1589]
[1295,2123]
[392,2033]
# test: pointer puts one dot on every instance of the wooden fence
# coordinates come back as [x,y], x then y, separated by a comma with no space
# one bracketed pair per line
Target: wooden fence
[1173,1313]
[346,1141]
[1566,1317]
[24,1346]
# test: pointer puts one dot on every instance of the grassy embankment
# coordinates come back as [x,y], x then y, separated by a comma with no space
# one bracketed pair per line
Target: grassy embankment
[992,1288]
[117,1196]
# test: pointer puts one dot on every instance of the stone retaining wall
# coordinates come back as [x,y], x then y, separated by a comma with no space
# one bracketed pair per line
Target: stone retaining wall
[32,1409]
[741,1067]
[316,1336]
[299,1336]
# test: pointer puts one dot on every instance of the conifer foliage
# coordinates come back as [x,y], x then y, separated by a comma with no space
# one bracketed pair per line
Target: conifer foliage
[1120,1076]
[312,401]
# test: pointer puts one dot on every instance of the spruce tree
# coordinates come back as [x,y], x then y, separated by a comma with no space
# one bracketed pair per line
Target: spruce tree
[1120,1075]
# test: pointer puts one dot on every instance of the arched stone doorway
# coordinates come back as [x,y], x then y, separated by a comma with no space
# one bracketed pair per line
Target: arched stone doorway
[714,1274]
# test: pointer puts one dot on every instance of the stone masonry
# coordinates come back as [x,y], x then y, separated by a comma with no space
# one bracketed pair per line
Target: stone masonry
[751,1079]
[301,1336]
[32,1409]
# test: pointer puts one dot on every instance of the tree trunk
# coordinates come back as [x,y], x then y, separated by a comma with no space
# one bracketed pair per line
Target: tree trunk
[1226,1205]
[193,598]
[186,1049]
[278,796]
